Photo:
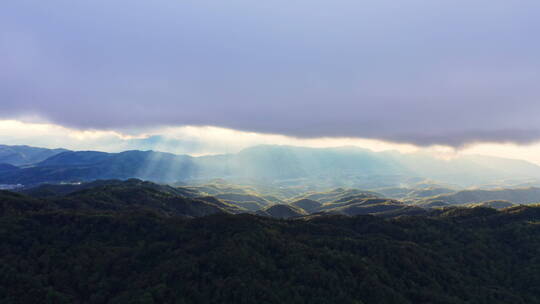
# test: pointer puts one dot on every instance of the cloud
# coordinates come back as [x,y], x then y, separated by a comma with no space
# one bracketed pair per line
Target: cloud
[180,140]
[199,141]
[421,72]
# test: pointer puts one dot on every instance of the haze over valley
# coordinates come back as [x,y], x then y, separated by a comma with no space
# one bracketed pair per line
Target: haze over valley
[280,165]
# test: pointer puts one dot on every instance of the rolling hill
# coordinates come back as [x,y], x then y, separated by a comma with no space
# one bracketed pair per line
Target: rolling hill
[517,196]
[307,204]
[283,211]
[116,196]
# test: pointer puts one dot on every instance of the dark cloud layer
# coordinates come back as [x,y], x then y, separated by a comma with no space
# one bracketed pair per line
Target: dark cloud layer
[425,72]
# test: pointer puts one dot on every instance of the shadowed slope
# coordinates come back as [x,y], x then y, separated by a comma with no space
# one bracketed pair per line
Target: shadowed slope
[123,196]
[283,211]
[455,256]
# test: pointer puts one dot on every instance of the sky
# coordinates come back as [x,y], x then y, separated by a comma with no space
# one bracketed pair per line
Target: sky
[215,76]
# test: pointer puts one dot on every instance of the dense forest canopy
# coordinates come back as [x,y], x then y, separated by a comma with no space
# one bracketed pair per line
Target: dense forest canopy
[135,253]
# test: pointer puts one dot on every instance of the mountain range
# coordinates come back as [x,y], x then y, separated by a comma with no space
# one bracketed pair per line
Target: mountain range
[25,155]
[220,197]
[279,165]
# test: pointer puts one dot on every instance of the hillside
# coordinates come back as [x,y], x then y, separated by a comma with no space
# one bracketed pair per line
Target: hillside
[134,193]
[52,190]
[351,202]
[454,256]
[117,196]
[25,155]
[283,211]
[338,195]
[494,204]
[242,198]
[379,207]
[7,168]
[427,192]
[517,196]
[307,204]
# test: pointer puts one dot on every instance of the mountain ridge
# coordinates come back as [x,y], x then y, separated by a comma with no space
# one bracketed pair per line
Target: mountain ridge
[22,155]
[328,167]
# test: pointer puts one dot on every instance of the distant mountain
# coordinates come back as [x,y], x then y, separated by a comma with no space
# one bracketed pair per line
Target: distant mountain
[307,205]
[283,211]
[278,166]
[355,167]
[467,170]
[358,205]
[338,195]
[79,158]
[517,196]
[432,204]
[239,197]
[427,192]
[6,168]
[25,155]
[299,166]
[379,209]
[494,204]
[90,165]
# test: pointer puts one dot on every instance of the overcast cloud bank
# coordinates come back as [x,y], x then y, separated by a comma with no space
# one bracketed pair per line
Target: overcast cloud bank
[421,72]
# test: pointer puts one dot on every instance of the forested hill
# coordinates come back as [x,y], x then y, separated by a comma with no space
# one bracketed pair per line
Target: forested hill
[520,195]
[136,255]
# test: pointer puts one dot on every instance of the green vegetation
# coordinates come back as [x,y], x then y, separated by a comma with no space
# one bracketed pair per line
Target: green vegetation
[308,205]
[494,204]
[293,230]
[92,248]
[338,195]
[283,211]
[238,197]
[519,196]
[132,241]
[117,196]
[414,192]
